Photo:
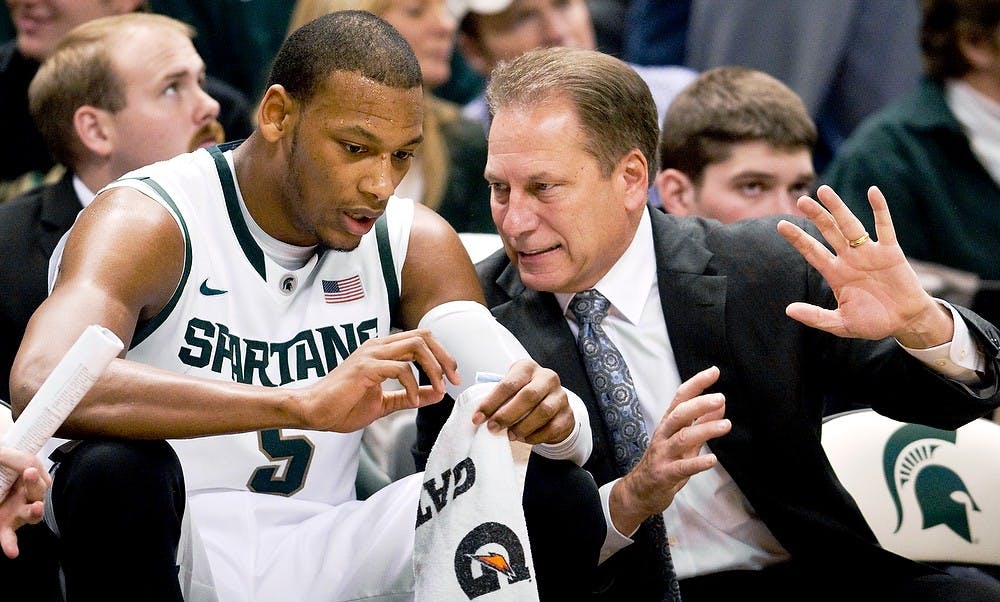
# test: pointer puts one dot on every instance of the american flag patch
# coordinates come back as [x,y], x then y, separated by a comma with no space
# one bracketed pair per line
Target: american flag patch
[343,290]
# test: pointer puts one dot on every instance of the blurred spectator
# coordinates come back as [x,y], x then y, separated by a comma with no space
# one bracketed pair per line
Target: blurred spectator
[656,31]
[609,25]
[239,39]
[735,143]
[500,30]
[24,158]
[846,59]
[936,156]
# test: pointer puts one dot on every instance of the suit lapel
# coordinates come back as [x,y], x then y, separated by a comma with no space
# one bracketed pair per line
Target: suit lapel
[694,308]
[535,319]
[60,207]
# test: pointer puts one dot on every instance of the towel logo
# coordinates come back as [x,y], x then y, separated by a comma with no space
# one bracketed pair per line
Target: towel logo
[486,553]
[454,482]
[908,462]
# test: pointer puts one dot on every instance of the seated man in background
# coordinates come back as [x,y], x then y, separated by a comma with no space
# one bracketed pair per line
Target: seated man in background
[25,158]
[117,93]
[735,143]
[731,496]
[936,154]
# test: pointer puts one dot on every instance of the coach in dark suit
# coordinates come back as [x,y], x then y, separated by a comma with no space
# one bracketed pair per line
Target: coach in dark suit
[750,501]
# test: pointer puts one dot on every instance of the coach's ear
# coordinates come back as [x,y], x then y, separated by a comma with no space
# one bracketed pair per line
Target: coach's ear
[277,113]
[676,191]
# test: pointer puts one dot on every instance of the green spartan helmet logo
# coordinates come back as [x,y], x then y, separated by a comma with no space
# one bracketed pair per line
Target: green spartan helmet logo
[932,483]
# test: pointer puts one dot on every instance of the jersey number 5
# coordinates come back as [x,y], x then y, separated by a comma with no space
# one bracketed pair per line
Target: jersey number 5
[296,451]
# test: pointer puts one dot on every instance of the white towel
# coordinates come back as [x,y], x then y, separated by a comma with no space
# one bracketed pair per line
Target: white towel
[471,539]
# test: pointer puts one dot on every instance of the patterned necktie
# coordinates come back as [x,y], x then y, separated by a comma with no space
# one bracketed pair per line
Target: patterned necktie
[619,404]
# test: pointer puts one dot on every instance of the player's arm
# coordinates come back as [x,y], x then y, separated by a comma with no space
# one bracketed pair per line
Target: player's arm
[122,262]
[440,290]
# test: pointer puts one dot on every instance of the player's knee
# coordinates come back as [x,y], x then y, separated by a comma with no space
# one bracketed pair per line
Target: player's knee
[140,474]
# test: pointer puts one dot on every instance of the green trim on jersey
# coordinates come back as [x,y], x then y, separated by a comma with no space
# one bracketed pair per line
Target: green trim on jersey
[144,330]
[256,255]
[388,269]
[250,247]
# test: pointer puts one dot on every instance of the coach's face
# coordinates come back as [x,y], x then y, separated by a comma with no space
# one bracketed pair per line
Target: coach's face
[564,223]
[349,147]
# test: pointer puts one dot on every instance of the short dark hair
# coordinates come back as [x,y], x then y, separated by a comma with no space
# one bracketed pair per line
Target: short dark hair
[945,24]
[349,40]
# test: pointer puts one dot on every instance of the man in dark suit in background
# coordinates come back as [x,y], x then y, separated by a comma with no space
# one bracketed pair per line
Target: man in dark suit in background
[148,107]
[782,321]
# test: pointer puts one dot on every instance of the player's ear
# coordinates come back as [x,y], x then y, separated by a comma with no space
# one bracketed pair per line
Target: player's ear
[676,191]
[277,113]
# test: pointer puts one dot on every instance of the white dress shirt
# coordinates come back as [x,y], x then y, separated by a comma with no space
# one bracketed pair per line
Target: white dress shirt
[711,525]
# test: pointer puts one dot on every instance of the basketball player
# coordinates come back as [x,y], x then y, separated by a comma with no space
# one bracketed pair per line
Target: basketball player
[256,301]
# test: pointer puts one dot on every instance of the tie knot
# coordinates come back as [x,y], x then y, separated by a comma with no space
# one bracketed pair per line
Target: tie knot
[589,306]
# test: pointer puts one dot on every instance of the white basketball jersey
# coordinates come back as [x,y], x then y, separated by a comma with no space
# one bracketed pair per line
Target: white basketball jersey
[239,316]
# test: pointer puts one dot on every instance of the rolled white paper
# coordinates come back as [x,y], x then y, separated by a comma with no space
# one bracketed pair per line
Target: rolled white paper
[72,377]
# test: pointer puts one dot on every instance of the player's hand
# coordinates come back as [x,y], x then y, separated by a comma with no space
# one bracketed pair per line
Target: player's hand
[23,503]
[674,453]
[530,403]
[351,397]
[878,293]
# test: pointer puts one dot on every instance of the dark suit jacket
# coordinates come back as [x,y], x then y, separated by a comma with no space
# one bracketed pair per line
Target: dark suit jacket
[30,226]
[724,290]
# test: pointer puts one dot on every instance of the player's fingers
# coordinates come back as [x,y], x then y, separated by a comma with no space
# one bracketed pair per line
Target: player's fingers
[414,346]
[436,362]
[402,399]
[524,385]
[550,421]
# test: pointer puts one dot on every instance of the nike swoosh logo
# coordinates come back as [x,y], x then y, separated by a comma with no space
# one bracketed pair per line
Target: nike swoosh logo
[206,290]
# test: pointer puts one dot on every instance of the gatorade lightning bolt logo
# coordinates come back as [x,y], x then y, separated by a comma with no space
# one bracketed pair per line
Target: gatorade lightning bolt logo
[908,461]
[479,548]
[495,561]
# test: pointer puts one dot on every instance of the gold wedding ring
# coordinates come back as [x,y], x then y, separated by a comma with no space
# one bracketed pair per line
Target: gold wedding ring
[857,242]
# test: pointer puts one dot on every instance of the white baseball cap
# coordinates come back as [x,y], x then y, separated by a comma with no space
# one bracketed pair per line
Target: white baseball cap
[486,7]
